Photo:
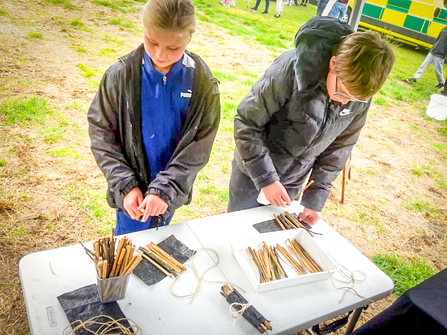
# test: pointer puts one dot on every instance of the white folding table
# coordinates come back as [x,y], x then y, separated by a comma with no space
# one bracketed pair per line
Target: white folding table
[48,274]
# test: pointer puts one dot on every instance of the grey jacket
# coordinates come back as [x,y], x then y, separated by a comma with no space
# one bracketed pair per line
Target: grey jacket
[116,138]
[439,49]
[287,125]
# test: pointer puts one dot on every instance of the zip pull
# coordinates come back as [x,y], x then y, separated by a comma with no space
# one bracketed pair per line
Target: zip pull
[164,80]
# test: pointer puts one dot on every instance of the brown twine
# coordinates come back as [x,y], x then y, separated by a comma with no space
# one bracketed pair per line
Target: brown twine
[234,314]
[349,278]
[111,327]
[200,278]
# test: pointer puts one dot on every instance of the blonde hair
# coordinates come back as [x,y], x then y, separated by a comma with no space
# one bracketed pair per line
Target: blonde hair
[174,15]
[363,62]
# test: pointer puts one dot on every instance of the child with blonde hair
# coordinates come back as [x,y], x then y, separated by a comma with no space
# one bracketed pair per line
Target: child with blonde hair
[153,120]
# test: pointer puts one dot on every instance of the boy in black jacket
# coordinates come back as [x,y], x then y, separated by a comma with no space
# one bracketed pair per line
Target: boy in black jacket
[305,114]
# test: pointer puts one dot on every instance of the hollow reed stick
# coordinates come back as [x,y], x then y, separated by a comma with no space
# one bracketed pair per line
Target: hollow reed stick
[301,192]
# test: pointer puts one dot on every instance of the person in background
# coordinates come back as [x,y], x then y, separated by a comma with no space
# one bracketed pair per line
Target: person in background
[304,116]
[258,2]
[279,8]
[436,55]
[323,5]
[304,3]
[153,121]
[338,10]
[225,3]
[444,92]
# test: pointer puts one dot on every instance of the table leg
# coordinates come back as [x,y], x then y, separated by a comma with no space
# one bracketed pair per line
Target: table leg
[354,320]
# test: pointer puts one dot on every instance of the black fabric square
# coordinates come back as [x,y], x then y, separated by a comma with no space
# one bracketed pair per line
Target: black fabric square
[149,274]
[84,303]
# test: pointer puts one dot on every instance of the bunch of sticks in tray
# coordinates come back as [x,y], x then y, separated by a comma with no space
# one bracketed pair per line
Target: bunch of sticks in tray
[268,261]
[109,263]
[161,260]
[287,221]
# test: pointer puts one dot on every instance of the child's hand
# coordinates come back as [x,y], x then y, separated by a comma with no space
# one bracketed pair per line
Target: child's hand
[277,195]
[152,205]
[309,216]
[131,202]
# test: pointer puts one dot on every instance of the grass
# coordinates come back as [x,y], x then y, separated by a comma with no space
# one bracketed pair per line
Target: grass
[423,206]
[77,23]
[65,152]
[405,273]
[88,73]
[35,35]
[67,4]
[25,111]
[124,6]
[52,134]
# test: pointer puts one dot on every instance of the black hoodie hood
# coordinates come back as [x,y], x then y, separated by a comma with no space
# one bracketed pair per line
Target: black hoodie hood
[316,42]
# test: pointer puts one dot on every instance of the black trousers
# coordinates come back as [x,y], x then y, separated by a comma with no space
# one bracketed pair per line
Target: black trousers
[243,192]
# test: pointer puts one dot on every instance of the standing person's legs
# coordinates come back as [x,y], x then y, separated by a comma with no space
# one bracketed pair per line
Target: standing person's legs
[321,5]
[445,88]
[335,11]
[428,60]
[255,8]
[343,7]
[267,4]
[279,7]
[438,64]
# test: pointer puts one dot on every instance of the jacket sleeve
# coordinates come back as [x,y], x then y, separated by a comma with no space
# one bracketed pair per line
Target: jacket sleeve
[330,162]
[256,109]
[106,142]
[174,184]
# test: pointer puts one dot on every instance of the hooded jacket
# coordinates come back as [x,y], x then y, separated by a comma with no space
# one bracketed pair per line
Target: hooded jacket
[439,48]
[116,137]
[287,125]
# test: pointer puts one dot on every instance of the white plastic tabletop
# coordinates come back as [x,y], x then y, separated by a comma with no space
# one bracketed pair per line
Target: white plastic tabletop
[293,309]
[48,274]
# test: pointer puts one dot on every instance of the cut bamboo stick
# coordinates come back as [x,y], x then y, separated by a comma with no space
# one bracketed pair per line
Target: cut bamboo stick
[279,222]
[135,261]
[160,250]
[162,258]
[153,263]
[291,260]
[258,267]
[304,252]
[300,192]
[273,258]
[163,264]
[279,263]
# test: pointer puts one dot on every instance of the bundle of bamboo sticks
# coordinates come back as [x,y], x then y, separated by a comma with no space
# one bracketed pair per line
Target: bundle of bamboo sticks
[268,262]
[161,260]
[251,314]
[288,221]
[110,263]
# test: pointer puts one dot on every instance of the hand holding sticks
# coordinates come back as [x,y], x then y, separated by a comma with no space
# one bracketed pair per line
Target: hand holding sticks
[288,221]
